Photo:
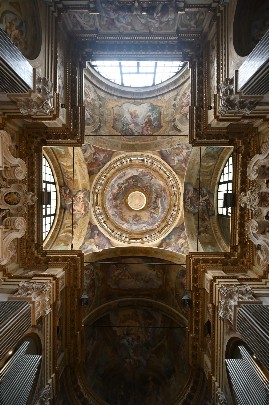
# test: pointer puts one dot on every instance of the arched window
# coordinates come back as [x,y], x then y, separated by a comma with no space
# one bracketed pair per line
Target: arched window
[137,73]
[49,202]
[225,188]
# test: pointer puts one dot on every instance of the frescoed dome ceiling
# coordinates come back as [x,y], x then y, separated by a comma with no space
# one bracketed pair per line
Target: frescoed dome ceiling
[137,199]
[163,199]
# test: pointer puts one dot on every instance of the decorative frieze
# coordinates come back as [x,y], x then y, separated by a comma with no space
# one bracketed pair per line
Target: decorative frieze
[232,102]
[230,297]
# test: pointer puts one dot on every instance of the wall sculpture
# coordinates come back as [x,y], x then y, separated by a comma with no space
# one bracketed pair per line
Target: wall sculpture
[15,198]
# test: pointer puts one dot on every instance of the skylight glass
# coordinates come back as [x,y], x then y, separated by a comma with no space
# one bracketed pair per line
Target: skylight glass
[137,73]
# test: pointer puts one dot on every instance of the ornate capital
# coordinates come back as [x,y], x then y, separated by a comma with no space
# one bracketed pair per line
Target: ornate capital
[38,101]
[256,199]
[231,295]
[232,102]
[40,294]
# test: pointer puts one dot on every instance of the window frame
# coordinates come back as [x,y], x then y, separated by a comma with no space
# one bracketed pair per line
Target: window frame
[48,210]
[225,185]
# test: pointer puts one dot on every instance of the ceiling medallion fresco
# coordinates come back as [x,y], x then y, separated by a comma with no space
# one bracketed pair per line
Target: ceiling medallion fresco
[137,199]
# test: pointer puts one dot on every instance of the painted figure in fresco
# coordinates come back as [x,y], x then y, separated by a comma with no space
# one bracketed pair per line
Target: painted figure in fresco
[94,240]
[136,119]
[194,201]
[115,16]
[177,157]
[176,241]
[133,276]
[15,29]
[95,157]
[79,201]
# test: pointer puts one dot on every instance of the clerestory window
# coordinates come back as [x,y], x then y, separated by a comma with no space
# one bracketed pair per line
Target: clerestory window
[49,202]
[137,73]
[225,187]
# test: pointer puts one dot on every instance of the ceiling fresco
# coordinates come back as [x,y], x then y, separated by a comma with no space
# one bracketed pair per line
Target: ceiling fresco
[135,277]
[136,115]
[133,353]
[137,198]
[105,16]
[145,199]
[133,364]
[123,197]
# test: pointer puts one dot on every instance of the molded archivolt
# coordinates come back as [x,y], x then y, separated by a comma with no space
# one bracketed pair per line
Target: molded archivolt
[69,184]
[200,199]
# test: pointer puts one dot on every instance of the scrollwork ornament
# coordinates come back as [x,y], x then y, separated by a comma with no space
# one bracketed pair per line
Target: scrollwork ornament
[40,293]
[39,101]
[234,103]
[251,199]
[230,296]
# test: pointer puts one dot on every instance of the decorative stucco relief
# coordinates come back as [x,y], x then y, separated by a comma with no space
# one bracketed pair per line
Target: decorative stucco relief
[230,296]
